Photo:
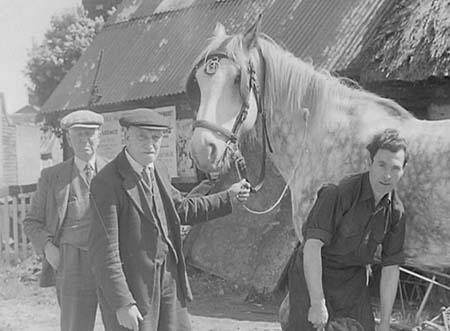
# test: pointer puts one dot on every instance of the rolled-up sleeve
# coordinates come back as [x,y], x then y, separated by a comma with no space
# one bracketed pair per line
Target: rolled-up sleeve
[322,217]
[393,242]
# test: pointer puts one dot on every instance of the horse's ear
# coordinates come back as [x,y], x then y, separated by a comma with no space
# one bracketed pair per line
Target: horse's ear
[249,40]
[219,31]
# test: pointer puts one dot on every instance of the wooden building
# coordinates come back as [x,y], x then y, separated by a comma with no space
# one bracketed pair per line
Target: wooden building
[19,152]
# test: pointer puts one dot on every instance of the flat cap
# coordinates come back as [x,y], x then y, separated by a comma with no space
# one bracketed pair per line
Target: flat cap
[82,119]
[145,118]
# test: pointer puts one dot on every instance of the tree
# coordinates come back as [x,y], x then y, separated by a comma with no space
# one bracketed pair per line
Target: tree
[69,35]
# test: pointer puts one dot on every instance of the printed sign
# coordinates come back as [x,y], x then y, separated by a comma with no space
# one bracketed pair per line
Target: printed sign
[186,167]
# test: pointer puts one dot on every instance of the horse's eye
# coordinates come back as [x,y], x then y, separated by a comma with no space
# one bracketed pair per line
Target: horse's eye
[237,79]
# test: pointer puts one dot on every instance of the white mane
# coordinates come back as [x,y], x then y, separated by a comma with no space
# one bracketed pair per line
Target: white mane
[292,84]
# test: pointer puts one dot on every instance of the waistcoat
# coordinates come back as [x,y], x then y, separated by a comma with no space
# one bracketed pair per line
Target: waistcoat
[75,227]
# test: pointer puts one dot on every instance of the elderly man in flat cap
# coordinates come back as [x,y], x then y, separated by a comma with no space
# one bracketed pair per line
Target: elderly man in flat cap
[135,241]
[59,219]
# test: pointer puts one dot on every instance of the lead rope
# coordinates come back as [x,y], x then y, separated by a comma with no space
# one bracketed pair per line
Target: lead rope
[289,181]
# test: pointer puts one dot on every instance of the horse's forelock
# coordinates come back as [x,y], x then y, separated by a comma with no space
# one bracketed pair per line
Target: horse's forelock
[234,47]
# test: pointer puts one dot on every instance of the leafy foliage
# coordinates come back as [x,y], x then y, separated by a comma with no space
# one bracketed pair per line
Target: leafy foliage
[69,35]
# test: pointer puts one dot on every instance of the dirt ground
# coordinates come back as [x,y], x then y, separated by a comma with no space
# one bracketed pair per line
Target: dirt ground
[218,305]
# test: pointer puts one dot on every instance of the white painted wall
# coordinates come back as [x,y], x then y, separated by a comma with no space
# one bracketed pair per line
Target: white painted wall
[28,154]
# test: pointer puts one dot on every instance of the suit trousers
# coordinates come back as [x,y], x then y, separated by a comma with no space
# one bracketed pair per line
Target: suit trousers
[167,310]
[76,290]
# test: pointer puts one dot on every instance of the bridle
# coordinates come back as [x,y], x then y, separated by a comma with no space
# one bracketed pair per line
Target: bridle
[248,85]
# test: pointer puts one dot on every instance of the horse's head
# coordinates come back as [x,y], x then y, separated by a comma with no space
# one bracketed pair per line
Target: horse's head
[223,88]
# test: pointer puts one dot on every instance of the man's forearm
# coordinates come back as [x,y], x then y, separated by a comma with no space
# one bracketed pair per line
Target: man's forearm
[201,209]
[388,292]
[312,265]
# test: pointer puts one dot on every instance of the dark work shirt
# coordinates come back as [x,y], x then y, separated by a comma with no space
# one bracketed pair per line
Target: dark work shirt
[345,218]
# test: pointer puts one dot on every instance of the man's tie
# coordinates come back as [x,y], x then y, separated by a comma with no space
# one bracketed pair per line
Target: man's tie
[146,177]
[151,171]
[88,172]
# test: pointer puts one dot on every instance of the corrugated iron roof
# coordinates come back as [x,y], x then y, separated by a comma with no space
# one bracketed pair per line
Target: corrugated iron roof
[150,56]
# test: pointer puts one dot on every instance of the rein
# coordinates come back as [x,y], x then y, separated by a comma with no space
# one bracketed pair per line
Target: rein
[303,149]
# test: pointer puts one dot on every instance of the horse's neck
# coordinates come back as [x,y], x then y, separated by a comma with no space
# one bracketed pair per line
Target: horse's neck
[328,146]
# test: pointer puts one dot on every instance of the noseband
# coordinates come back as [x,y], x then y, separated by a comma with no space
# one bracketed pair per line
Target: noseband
[248,85]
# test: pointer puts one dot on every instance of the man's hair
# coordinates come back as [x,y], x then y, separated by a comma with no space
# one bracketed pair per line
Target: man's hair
[389,139]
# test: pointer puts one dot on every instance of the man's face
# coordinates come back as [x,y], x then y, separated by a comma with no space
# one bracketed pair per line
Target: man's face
[143,144]
[84,142]
[385,171]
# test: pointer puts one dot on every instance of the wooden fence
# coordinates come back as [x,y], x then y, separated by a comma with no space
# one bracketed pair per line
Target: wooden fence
[13,242]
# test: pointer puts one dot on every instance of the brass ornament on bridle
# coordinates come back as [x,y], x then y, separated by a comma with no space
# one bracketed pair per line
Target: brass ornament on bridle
[212,64]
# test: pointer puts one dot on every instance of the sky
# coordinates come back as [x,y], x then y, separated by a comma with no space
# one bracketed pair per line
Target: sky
[21,22]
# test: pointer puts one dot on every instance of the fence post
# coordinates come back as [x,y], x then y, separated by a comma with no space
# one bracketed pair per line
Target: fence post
[15,218]
[5,219]
[23,213]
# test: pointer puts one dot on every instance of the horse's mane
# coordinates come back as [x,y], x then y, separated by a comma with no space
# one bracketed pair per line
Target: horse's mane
[294,84]
[315,89]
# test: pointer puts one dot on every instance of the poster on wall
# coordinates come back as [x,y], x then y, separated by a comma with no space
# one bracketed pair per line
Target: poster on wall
[112,140]
[186,167]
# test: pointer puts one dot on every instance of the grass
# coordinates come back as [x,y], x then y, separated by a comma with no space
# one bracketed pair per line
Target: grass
[21,280]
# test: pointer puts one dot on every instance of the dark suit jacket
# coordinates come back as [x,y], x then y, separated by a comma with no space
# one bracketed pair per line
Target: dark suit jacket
[48,209]
[122,241]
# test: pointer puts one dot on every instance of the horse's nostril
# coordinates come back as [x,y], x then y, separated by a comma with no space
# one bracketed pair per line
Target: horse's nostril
[212,151]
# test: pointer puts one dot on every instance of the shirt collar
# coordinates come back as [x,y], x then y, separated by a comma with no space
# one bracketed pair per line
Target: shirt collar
[397,203]
[137,167]
[366,189]
[367,192]
[81,164]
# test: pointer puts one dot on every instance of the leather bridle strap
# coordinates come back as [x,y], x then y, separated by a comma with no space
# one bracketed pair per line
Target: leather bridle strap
[231,137]
[240,163]
[227,134]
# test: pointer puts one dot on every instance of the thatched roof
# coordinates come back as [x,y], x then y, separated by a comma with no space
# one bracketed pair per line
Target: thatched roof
[412,43]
